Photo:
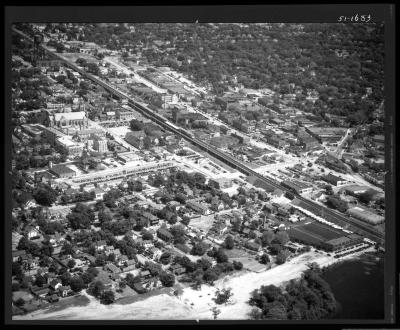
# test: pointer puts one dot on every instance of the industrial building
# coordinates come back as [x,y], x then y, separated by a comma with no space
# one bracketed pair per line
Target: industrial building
[366,215]
[296,186]
[122,172]
[323,237]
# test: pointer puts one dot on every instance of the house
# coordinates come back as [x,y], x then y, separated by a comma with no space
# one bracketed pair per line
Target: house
[32,232]
[145,274]
[138,287]
[50,277]
[147,244]
[55,284]
[122,260]
[198,207]
[17,255]
[53,298]
[99,193]
[178,269]
[117,253]
[156,253]
[164,234]
[100,245]
[30,263]
[64,291]
[109,249]
[152,219]
[40,292]
[152,283]
[112,268]
[251,245]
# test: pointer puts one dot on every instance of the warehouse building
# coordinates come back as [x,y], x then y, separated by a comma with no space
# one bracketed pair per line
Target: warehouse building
[366,215]
[298,187]
[335,180]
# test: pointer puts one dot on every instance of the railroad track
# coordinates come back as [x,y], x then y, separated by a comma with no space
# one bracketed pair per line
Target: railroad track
[356,226]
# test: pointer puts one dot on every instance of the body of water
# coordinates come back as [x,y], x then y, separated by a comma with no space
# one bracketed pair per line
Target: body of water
[358,286]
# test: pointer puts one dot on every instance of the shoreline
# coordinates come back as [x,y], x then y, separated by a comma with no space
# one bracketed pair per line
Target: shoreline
[193,304]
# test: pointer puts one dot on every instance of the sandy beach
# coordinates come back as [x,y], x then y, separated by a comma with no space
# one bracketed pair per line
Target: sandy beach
[192,304]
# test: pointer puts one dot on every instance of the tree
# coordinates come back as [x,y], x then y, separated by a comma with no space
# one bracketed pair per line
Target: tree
[96,288]
[264,259]
[19,302]
[178,232]
[221,256]
[107,297]
[136,125]
[71,263]
[229,242]
[45,195]
[337,203]
[40,280]
[165,258]
[167,279]
[328,189]
[215,312]
[146,235]
[15,286]
[60,48]
[100,260]
[367,196]
[77,284]
[237,265]
[282,256]
[210,276]
[199,249]
[16,269]
[267,237]
[105,215]
[222,296]
[281,237]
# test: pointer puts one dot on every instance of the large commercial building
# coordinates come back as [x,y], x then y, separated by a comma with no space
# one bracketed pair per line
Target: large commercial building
[121,172]
[335,180]
[69,119]
[323,237]
[100,144]
[297,186]
[327,134]
[72,148]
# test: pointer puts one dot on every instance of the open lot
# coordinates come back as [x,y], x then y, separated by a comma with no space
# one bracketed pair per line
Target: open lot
[203,222]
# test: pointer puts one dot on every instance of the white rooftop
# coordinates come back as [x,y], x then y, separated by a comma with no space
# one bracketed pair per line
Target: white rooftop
[80,115]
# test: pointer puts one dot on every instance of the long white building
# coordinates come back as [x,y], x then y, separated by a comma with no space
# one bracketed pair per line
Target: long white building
[120,173]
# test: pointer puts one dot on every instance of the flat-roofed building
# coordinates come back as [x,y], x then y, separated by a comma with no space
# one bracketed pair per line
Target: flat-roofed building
[298,187]
[366,215]
[335,180]
[73,148]
[62,171]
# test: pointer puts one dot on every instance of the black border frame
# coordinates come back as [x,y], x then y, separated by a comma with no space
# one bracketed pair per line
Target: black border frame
[304,13]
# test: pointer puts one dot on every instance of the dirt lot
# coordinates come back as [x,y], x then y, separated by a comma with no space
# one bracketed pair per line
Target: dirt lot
[203,223]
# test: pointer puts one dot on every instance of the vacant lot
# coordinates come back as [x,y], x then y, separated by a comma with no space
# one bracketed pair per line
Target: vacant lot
[202,223]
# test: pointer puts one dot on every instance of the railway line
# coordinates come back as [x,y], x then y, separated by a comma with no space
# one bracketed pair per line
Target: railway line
[340,219]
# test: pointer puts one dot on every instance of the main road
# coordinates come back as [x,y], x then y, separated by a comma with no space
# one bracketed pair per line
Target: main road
[353,224]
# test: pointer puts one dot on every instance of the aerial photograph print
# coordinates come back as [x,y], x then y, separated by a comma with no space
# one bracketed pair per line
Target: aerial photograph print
[197,171]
